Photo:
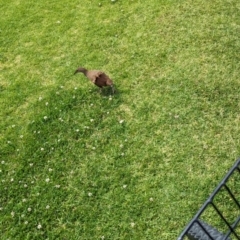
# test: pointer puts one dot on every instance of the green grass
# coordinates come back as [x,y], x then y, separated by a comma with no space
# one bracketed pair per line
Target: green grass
[76,164]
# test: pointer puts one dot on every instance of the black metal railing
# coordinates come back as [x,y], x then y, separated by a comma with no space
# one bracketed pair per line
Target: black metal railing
[219,216]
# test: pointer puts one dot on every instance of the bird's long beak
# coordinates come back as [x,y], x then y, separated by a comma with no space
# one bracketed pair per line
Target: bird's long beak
[76,71]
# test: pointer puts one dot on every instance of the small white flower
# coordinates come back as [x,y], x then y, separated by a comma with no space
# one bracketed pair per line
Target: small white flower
[2,162]
[12,180]
[77,130]
[102,237]
[30,164]
[24,200]
[122,154]
[46,103]
[40,98]
[21,136]
[39,226]
[107,112]
[91,120]
[74,96]
[93,148]
[91,104]
[42,149]
[29,209]
[45,117]
[26,222]
[75,88]
[61,87]
[47,207]
[50,169]
[9,142]
[47,180]
[13,126]
[12,214]
[57,186]
[58,22]
[1,208]
[124,186]
[89,194]
[121,145]
[110,99]
[121,121]
[132,224]
[151,199]
[25,185]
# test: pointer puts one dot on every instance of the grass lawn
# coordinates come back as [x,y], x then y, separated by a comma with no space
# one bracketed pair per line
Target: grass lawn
[76,164]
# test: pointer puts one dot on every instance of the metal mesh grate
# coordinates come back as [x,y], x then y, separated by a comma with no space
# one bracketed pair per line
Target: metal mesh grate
[219,216]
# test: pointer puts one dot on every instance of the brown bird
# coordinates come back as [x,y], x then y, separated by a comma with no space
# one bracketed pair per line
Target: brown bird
[97,77]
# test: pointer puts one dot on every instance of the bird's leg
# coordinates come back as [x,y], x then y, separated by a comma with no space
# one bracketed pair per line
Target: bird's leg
[113,89]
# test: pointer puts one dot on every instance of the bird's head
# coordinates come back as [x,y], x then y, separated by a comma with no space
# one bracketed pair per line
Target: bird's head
[81,69]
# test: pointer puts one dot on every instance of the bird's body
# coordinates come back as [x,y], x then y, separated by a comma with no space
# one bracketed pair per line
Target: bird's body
[97,77]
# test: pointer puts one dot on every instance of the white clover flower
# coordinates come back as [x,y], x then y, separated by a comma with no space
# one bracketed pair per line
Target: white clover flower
[25,185]
[50,169]
[13,126]
[26,222]
[42,149]
[29,209]
[12,180]
[132,224]
[40,98]
[47,180]
[121,145]
[93,148]
[89,194]
[57,186]
[30,164]
[2,162]
[122,154]
[45,117]
[39,226]
[75,88]
[46,103]
[91,120]
[124,186]
[77,130]
[24,200]
[21,136]
[121,121]
[91,104]
[151,199]
[12,214]
[47,207]
[110,99]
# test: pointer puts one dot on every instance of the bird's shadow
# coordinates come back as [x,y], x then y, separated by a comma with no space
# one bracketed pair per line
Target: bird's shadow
[107,91]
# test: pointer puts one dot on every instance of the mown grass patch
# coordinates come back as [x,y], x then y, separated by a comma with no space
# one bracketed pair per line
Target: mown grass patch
[76,164]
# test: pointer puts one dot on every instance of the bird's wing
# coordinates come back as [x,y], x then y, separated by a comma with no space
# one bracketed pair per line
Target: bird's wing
[93,75]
